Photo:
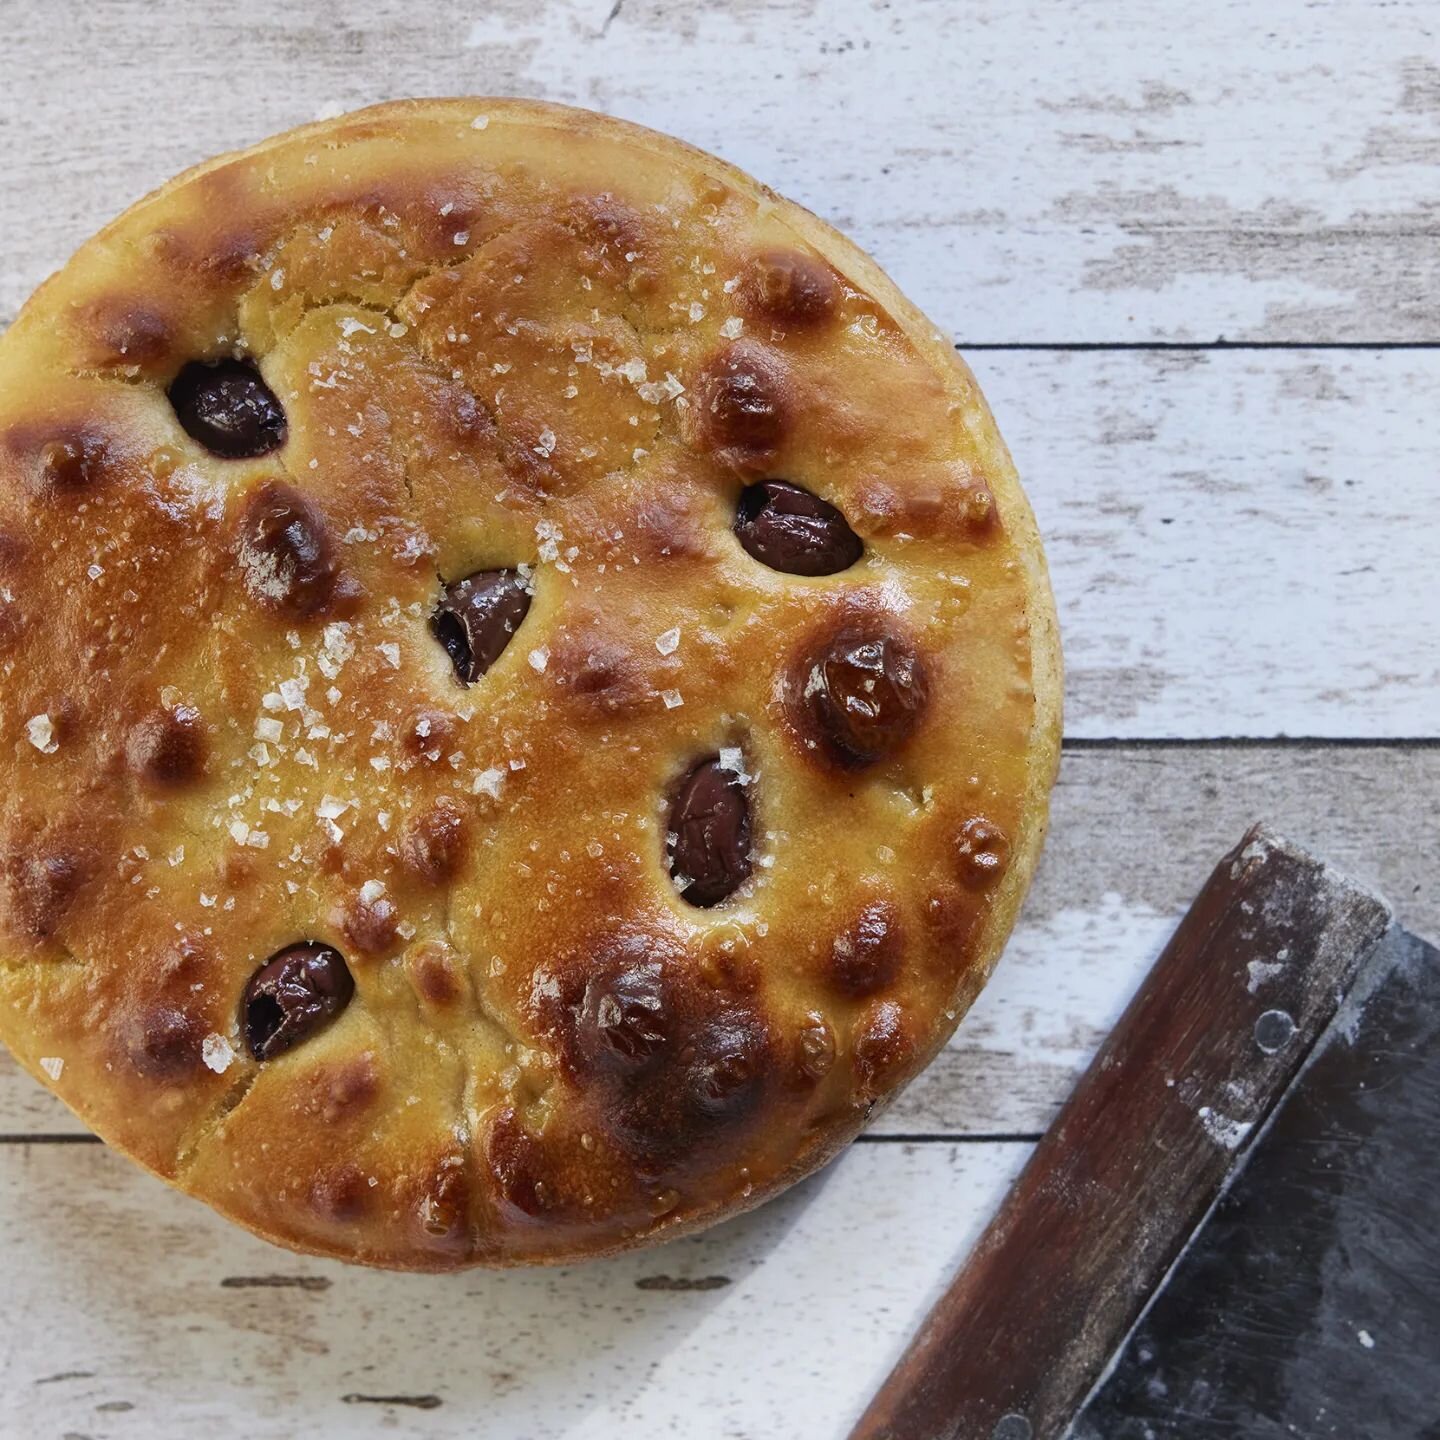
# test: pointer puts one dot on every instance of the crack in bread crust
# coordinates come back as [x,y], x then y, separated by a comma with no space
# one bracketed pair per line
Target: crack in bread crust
[557,344]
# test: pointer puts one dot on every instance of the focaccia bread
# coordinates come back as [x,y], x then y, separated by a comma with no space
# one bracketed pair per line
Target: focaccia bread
[528,686]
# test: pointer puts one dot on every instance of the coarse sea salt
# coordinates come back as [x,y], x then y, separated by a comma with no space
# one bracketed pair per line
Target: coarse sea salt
[1222,1129]
[337,646]
[292,692]
[669,642]
[216,1052]
[549,534]
[732,758]
[656,392]
[488,782]
[41,733]
[52,1065]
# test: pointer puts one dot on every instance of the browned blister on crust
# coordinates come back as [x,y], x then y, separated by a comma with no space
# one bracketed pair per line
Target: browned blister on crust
[528,688]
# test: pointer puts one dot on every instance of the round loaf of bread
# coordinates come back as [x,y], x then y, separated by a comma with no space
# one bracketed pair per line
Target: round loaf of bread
[528,686]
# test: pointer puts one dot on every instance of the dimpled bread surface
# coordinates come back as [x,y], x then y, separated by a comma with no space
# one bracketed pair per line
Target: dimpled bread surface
[525,1021]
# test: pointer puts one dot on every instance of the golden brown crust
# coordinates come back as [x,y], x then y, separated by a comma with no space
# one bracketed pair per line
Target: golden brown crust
[502,334]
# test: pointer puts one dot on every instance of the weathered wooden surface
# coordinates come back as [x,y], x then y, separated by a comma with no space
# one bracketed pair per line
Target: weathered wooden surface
[1244,543]
[1028,172]
[134,1314]
[1028,1324]
[1175,491]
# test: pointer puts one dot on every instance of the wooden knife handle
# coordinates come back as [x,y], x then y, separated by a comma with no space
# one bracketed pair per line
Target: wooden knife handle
[1137,1155]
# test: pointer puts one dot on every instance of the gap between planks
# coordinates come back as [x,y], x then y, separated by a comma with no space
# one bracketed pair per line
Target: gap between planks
[1131,170]
[1017,1137]
[1252,742]
[1071,347]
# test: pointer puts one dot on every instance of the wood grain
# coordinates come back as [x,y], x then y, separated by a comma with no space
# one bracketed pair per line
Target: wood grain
[771,1325]
[1134,832]
[1138,1154]
[1241,543]
[1167,483]
[1027,172]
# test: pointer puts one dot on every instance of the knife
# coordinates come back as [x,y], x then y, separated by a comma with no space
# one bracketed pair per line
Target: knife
[1232,1229]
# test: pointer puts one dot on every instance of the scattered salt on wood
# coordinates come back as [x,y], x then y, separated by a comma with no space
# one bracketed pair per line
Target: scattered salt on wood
[1222,1129]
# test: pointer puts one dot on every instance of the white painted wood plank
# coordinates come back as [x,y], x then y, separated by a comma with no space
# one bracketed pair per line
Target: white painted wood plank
[1028,172]
[134,1324]
[1242,543]
[1134,834]
[1146,171]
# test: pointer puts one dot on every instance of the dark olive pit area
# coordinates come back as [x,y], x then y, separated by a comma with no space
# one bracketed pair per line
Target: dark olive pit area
[709,835]
[228,408]
[477,618]
[295,994]
[784,526]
